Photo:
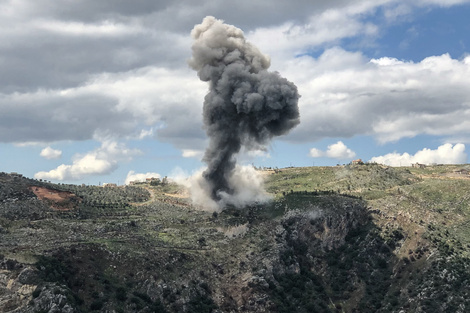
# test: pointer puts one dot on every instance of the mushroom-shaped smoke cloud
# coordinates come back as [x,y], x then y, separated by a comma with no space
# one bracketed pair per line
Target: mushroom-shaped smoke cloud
[246,105]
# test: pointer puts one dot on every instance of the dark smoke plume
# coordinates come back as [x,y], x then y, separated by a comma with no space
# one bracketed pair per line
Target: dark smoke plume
[246,105]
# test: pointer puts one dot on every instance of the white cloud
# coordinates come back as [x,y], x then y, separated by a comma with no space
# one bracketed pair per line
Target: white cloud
[344,94]
[337,151]
[329,26]
[136,83]
[445,154]
[316,153]
[144,133]
[50,153]
[105,28]
[87,165]
[137,76]
[252,155]
[136,104]
[257,153]
[444,3]
[189,153]
[133,176]
[102,160]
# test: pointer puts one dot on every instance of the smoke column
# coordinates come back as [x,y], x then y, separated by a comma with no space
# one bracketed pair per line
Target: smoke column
[246,105]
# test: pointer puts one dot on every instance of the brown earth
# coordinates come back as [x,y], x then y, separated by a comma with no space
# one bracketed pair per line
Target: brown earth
[59,200]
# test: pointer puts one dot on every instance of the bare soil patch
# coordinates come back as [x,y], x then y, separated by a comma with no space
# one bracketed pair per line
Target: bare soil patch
[59,200]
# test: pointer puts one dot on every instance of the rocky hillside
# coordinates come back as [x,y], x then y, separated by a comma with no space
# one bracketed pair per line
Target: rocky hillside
[362,238]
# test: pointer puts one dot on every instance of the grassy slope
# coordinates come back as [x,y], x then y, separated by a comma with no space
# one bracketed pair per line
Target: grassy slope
[433,195]
[422,215]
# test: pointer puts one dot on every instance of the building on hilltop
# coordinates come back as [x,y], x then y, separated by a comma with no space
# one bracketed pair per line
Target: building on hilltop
[357,162]
[151,179]
[418,165]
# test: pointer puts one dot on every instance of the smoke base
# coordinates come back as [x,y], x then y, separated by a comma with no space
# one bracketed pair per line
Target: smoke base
[247,186]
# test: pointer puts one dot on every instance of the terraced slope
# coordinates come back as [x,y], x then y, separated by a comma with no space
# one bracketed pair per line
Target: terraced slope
[334,239]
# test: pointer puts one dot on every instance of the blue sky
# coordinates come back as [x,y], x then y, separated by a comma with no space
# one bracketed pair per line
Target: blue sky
[94,92]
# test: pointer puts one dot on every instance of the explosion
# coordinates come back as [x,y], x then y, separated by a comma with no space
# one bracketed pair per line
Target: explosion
[246,105]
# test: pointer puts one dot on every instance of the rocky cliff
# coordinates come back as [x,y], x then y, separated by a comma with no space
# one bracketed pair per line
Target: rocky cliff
[344,239]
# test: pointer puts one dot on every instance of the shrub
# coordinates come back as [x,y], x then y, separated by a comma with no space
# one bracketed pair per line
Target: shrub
[36,292]
[121,294]
[96,305]
[142,296]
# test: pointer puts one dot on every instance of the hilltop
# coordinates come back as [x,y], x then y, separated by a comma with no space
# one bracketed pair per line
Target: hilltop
[356,238]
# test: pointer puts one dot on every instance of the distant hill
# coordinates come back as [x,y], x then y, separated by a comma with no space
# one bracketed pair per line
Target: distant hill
[356,238]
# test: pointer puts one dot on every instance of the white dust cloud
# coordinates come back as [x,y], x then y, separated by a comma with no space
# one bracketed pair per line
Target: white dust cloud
[247,183]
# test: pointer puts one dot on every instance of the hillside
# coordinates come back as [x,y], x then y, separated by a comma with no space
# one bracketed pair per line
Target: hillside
[363,238]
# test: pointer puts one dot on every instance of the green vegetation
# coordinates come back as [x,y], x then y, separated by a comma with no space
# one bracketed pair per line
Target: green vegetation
[356,238]
[350,179]
[105,197]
